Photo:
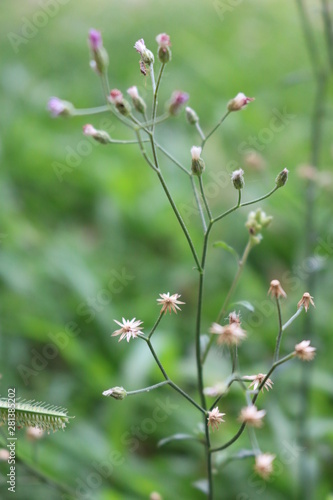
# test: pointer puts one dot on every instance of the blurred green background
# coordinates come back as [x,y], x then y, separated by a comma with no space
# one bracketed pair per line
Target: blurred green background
[66,239]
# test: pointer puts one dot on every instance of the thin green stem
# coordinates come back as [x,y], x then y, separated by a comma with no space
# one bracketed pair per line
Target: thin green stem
[223,310]
[180,220]
[200,132]
[241,266]
[143,152]
[197,200]
[176,162]
[155,325]
[170,382]
[90,111]
[290,320]
[148,389]
[259,199]
[214,129]
[328,26]
[279,337]
[204,198]
[155,102]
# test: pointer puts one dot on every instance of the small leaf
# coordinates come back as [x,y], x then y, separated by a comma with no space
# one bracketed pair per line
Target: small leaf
[175,437]
[245,304]
[225,246]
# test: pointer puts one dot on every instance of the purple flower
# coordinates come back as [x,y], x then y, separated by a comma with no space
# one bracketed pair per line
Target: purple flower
[58,107]
[178,98]
[95,40]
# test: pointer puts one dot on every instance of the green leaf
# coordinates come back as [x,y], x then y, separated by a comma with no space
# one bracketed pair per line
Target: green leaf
[243,303]
[175,437]
[225,246]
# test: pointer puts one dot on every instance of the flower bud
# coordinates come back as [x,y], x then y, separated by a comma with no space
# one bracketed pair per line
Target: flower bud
[116,393]
[58,107]
[238,179]
[178,98]
[138,102]
[191,116]
[123,106]
[282,178]
[100,58]
[146,55]
[239,102]
[99,135]
[164,52]
[198,165]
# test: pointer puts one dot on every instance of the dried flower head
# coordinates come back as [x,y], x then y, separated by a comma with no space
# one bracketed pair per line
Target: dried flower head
[129,329]
[116,393]
[264,464]
[237,178]
[231,334]
[146,55]
[251,416]
[169,302]
[215,418]
[276,290]
[198,165]
[304,351]
[257,381]
[239,102]
[305,301]
[234,318]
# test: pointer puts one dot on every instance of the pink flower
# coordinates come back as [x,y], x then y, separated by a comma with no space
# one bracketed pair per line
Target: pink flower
[178,98]
[129,329]
[239,102]
[163,40]
[133,92]
[116,97]
[89,130]
[304,351]
[251,416]
[264,464]
[58,107]
[215,418]
[140,46]
[95,40]
[231,334]
[169,302]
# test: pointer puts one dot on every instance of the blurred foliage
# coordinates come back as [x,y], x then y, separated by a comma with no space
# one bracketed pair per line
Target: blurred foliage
[65,242]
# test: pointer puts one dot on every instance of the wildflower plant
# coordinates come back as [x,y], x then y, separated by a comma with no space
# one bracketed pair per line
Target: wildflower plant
[143,118]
